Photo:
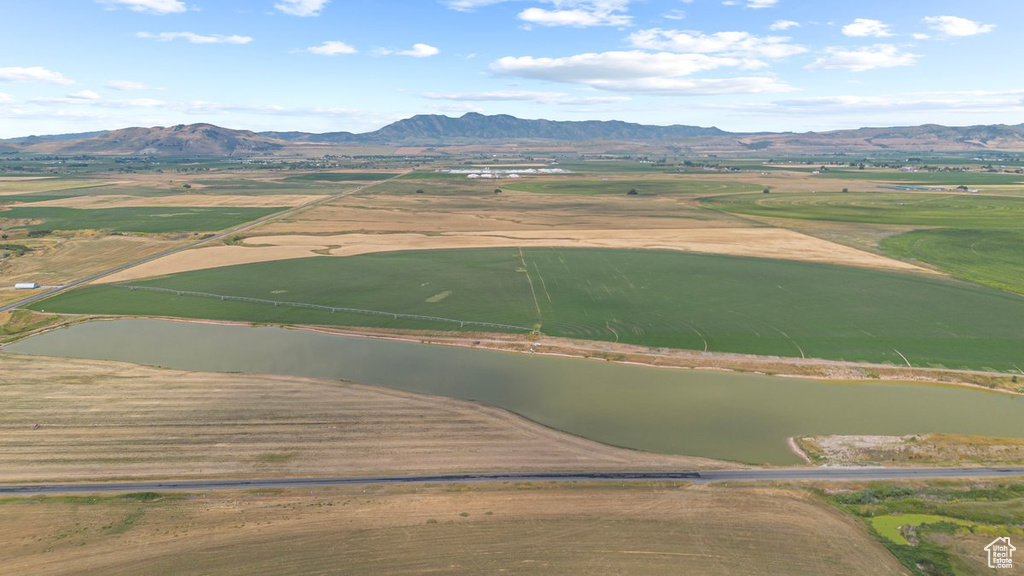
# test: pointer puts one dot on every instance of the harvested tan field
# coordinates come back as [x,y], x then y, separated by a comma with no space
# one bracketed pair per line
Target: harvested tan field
[56,260]
[508,211]
[10,186]
[484,529]
[78,420]
[755,242]
[201,200]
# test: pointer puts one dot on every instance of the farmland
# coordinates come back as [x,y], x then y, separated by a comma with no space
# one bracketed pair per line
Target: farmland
[651,298]
[920,209]
[991,257]
[144,220]
[518,528]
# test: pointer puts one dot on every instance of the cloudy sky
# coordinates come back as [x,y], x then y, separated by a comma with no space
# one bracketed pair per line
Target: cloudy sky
[328,65]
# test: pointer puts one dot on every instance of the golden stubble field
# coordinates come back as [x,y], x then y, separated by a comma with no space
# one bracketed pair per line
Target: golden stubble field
[480,529]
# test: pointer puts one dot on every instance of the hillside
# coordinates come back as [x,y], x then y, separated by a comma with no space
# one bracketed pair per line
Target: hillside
[473,128]
[181,140]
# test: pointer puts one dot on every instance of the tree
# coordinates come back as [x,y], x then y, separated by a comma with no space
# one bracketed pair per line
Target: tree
[767,190]
[497,190]
[632,192]
[419,191]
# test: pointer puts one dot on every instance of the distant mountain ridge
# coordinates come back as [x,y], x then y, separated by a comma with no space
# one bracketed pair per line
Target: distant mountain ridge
[432,129]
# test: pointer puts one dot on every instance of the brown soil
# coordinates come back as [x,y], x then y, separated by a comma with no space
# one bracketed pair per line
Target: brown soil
[482,529]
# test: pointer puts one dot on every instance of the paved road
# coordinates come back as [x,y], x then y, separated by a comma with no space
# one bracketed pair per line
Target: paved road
[219,235]
[776,474]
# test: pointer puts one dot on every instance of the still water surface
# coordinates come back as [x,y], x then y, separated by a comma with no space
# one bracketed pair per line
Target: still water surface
[739,417]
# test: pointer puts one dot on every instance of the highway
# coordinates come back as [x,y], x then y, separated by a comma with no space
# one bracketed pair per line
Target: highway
[830,474]
[219,235]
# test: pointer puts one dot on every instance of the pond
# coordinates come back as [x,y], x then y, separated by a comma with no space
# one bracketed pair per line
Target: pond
[730,416]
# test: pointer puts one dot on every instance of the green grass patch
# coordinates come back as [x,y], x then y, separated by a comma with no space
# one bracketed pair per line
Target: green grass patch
[991,257]
[669,299]
[995,510]
[888,526]
[958,210]
[146,220]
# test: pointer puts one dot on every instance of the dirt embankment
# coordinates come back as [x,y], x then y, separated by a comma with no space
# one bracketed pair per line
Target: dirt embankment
[913,450]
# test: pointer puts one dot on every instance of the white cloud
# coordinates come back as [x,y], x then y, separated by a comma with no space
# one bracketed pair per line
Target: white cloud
[33,74]
[301,7]
[580,13]
[637,71]
[149,6]
[920,36]
[674,15]
[126,85]
[590,67]
[84,95]
[558,98]
[196,38]
[864,27]
[740,44]
[418,50]
[758,4]
[6,98]
[957,26]
[784,25]
[863,59]
[332,47]
[576,13]
[697,86]
[974,101]
[468,5]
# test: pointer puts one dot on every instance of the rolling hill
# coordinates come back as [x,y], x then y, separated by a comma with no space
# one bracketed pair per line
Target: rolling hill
[471,128]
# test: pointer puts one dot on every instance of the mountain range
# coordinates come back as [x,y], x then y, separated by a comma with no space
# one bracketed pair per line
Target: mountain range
[473,128]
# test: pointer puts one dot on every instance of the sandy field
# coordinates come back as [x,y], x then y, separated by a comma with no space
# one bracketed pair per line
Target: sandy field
[80,420]
[756,242]
[486,529]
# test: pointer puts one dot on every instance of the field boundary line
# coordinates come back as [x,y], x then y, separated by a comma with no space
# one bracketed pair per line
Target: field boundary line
[526,269]
[332,309]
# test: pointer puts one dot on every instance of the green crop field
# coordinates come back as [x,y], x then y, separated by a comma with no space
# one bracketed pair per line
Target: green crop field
[991,257]
[955,178]
[658,299]
[622,186]
[959,210]
[147,220]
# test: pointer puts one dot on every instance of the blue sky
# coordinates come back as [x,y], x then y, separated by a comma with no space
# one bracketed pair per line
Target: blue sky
[329,65]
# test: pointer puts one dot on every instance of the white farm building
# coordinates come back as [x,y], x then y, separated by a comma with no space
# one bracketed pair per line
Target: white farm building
[26,286]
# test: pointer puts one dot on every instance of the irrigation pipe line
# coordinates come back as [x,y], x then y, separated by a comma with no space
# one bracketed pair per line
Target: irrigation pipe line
[332,309]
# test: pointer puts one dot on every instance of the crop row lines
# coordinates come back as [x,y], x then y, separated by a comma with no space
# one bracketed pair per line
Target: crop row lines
[332,309]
